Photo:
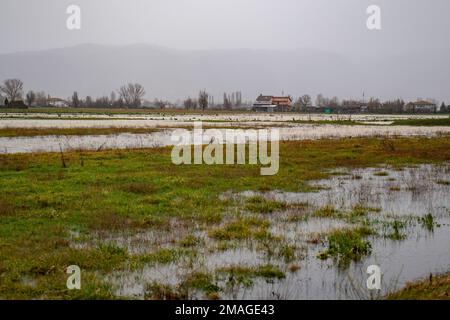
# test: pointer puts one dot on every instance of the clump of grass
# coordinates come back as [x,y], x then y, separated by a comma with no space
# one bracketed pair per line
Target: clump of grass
[315,238]
[258,204]
[158,291]
[111,249]
[327,211]
[393,230]
[240,229]
[287,253]
[381,174]
[201,281]
[162,256]
[443,182]
[427,222]
[347,245]
[267,271]
[360,210]
[190,241]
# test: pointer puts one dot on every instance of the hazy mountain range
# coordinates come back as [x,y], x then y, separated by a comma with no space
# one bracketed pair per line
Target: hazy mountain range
[172,74]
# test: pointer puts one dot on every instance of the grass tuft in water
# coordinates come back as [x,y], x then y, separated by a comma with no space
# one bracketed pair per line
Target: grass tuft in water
[428,222]
[347,245]
[259,204]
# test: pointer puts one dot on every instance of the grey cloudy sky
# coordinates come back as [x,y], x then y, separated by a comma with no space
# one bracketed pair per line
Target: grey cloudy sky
[205,24]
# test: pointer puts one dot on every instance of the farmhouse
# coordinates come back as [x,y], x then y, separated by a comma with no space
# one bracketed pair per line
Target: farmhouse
[16,104]
[272,103]
[421,106]
[57,102]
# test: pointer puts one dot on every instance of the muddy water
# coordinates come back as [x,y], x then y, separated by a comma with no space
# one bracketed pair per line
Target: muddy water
[419,191]
[163,137]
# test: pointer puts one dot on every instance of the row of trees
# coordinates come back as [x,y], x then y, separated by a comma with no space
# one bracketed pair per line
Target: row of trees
[373,105]
[132,94]
[205,101]
[129,95]
[202,102]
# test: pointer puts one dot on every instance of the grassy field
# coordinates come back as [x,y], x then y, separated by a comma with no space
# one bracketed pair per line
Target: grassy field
[32,132]
[51,204]
[422,122]
[119,111]
[433,288]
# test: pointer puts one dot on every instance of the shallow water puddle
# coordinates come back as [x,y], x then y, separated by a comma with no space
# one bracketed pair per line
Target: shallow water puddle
[419,248]
[163,138]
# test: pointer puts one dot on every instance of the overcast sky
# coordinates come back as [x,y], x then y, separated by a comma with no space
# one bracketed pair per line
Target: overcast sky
[330,25]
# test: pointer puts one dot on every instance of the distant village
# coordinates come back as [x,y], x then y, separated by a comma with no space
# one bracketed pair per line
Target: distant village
[131,95]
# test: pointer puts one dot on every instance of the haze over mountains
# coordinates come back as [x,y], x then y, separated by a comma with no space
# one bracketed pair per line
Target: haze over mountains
[172,74]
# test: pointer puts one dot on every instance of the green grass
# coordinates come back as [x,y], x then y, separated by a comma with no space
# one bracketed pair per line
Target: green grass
[432,288]
[109,192]
[259,204]
[243,275]
[428,222]
[422,122]
[327,211]
[393,230]
[347,245]
[241,229]
[32,132]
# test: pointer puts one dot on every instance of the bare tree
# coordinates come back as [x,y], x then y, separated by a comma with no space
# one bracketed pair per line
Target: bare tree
[203,100]
[190,103]
[88,103]
[31,97]
[132,94]
[159,104]
[303,102]
[41,99]
[12,88]
[320,100]
[75,100]
[226,102]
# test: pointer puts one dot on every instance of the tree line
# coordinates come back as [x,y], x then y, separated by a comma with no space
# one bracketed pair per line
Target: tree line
[129,95]
[304,103]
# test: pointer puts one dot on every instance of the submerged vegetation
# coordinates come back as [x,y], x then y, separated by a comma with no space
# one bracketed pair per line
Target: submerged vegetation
[347,245]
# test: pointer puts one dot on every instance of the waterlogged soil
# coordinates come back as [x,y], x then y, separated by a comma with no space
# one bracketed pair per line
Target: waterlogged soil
[408,211]
[164,137]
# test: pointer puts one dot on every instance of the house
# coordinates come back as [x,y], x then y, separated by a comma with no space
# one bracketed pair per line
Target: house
[57,102]
[421,106]
[272,103]
[3,102]
[17,104]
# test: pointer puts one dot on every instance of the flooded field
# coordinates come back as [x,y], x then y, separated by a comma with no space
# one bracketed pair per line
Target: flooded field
[400,217]
[163,137]
[39,118]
